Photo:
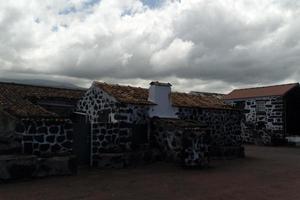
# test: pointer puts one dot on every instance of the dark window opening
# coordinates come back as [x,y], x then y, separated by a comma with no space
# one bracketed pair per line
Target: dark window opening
[260,107]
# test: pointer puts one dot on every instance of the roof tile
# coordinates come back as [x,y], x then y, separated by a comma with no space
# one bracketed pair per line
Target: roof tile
[275,90]
[16,98]
[137,95]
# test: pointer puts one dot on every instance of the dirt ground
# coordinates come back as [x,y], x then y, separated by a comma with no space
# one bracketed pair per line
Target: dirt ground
[266,173]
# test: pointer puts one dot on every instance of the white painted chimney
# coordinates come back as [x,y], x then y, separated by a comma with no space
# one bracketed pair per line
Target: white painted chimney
[160,94]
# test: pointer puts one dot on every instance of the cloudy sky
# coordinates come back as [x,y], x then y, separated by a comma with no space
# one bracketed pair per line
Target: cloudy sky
[206,45]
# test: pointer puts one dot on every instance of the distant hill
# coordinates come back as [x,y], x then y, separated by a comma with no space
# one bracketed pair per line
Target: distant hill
[41,82]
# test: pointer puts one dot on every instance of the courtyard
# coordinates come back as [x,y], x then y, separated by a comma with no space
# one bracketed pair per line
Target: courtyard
[265,173]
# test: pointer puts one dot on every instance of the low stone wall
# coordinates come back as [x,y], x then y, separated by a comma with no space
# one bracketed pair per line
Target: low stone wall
[128,159]
[195,146]
[31,166]
[110,138]
[181,141]
[45,136]
[224,127]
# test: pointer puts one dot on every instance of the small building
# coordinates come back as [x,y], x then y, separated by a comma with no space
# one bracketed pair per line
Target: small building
[270,113]
[35,126]
[132,123]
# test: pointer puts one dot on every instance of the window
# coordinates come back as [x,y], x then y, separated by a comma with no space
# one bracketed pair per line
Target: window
[260,107]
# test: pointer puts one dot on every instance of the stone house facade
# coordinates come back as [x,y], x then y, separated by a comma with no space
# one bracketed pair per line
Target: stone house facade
[36,121]
[270,113]
[50,131]
[122,125]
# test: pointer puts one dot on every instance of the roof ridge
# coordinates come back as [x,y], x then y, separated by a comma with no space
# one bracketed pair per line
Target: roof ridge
[259,87]
[137,87]
[116,84]
[38,86]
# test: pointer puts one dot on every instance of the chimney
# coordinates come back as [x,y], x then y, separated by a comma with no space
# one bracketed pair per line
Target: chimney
[160,94]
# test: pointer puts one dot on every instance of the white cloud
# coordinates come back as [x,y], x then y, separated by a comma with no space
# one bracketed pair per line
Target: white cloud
[176,55]
[193,43]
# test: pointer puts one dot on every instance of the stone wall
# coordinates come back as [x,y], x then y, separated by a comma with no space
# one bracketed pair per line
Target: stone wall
[263,127]
[196,148]
[45,136]
[224,127]
[115,127]
[113,123]
[181,142]
[31,166]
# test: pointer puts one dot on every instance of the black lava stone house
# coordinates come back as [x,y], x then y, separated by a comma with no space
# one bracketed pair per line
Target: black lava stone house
[35,120]
[271,113]
[130,123]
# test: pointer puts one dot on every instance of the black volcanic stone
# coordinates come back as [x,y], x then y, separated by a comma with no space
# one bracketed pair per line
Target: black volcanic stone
[44,147]
[101,137]
[60,138]
[96,143]
[28,148]
[68,126]
[123,139]
[42,130]
[116,130]
[26,123]
[62,130]
[39,138]
[69,135]
[35,145]
[96,131]
[123,132]
[55,148]
[120,117]
[108,138]
[50,138]
[27,138]
[67,144]
[109,125]
[103,131]
[20,128]
[53,129]
[39,123]
[104,143]
[32,129]
[95,126]
[113,138]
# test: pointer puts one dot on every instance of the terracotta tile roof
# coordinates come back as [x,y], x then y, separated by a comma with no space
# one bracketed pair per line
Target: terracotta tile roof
[275,90]
[192,100]
[126,94]
[136,95]
[16,99]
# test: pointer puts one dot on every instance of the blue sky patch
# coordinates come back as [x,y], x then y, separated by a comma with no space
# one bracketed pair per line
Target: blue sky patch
[85,5]
[54,28]
[153,3]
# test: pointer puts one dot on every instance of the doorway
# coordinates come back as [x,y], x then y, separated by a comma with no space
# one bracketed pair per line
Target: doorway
[82,139]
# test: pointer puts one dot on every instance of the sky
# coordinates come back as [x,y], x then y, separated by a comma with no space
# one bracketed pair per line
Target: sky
[199,45]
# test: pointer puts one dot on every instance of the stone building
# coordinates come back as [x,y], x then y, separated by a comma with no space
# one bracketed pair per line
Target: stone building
[35,126]
[49,131]
[131,123]
[270,113]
